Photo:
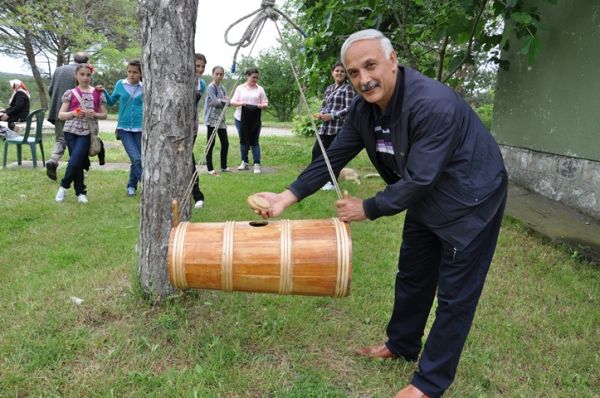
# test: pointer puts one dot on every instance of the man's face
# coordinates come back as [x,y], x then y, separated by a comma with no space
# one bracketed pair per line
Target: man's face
[200,66]
[371,73]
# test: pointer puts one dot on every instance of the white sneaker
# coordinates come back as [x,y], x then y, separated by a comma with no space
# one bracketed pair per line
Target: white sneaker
[328,187]
[199,204]
[257,168]
[60,195]
[82,199]
[243,166]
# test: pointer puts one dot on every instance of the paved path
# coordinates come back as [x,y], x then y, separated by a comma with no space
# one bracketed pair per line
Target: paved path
[556,221]
[111,125]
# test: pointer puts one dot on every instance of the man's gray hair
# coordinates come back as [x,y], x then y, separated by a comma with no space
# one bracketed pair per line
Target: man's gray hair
[367,34]
[81,57]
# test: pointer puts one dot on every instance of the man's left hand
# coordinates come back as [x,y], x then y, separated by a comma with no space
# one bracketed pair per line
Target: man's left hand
[350,209]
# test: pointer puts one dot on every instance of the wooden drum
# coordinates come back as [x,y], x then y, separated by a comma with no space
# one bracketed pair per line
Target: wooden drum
[311,257]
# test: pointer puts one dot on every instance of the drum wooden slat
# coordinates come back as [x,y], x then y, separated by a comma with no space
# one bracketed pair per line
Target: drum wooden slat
[312,257]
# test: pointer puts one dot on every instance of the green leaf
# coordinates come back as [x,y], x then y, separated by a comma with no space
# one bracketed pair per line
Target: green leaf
[505,35]
[535,48]
[526,45]
[521,17]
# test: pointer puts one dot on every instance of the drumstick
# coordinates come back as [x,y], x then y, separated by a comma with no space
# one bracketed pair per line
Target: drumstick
[175,210]
[258,203]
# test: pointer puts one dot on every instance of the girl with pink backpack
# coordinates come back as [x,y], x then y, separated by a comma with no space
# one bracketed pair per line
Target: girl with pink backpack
[81,108]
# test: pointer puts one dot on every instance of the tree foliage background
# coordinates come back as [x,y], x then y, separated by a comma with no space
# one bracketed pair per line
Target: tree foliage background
[47,33]
[454,41]
[277,78]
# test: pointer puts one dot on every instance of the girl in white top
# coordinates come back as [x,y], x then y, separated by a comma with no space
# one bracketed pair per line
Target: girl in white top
[252,96]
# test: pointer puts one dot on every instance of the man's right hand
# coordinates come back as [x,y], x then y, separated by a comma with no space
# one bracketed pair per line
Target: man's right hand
[278,202]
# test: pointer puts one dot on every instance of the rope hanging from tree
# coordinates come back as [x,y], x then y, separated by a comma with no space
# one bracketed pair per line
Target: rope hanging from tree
[312,120]
[188,191]
[267,10]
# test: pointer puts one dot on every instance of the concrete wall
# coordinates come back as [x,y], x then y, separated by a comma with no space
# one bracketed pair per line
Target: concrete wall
[573,182]
[547,115]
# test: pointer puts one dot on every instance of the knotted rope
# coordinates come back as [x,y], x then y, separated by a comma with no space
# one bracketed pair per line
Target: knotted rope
[267,10]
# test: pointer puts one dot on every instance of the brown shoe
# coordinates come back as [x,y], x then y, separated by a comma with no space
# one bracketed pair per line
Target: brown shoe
[376,352]
[410,391]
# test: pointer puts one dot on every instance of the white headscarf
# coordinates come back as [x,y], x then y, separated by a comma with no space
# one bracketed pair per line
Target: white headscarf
[17,86]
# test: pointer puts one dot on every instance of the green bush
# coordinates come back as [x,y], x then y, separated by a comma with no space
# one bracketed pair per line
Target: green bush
[485,114]
[304,126]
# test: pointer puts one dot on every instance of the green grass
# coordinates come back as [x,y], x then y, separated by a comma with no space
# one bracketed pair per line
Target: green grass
[536,333]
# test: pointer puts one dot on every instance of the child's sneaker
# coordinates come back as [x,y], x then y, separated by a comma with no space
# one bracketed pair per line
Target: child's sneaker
[243,166]
[60,195]
[82,199]
[256,168]
[199,204]
[130,191]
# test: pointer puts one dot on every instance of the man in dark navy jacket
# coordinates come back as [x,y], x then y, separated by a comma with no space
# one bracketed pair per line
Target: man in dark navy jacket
[441,165]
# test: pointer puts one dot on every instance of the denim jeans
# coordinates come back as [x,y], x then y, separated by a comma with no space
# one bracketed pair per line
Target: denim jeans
[254,145]
[79,146]
[132,142]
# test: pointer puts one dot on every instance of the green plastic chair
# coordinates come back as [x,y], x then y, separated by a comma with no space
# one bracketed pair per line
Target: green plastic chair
[27,139]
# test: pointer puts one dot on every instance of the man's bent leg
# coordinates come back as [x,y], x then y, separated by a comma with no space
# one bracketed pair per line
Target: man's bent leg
[60,144]
[416,282]
[58,150]
[461,278]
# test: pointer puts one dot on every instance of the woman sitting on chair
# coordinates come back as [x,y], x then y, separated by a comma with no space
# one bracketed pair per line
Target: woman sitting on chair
[18,108]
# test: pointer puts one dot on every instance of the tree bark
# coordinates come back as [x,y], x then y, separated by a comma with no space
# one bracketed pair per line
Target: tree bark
[168,29]
[30,54]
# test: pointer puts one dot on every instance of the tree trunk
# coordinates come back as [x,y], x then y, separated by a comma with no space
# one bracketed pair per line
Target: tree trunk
[168,29]
[30,53]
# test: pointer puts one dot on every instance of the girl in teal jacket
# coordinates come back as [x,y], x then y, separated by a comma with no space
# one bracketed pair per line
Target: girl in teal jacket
[129,94]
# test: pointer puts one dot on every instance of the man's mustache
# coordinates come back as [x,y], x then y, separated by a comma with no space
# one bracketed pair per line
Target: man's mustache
[369,86]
